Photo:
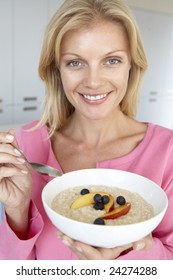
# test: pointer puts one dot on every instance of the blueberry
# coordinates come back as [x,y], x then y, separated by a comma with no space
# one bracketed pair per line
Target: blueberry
[105,199]
[97,197]
[120,200]
[99,221]
[84,191]
[98,206]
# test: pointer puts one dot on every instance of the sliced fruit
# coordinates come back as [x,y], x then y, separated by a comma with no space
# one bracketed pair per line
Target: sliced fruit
[110,205]
[117,212]
[88,199]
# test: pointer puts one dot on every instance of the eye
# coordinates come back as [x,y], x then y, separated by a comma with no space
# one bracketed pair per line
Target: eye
[74,63]
[113,61]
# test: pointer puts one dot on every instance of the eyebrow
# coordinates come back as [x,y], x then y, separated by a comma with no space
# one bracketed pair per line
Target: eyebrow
[107,54]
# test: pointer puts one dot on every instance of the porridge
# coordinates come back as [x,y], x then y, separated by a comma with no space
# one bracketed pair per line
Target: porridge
[74,205]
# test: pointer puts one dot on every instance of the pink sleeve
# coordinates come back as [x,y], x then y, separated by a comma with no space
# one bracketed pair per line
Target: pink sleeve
[11,247]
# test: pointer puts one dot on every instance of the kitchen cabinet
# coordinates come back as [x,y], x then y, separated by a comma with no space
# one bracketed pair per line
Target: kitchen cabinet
[156,100]
[22,26]
[28,30]
[157,34]
[6,96]
[157,109]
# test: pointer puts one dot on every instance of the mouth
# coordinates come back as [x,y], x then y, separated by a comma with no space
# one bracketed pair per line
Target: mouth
[95,97]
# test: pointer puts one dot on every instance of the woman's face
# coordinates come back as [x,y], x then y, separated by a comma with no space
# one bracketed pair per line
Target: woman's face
[94,67]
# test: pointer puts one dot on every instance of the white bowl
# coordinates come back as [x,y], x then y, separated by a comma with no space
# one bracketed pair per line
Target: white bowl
[102,235]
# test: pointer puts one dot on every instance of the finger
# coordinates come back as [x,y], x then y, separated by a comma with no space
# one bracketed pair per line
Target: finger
[93,253]
[6,137]
[8,158]
[87,252]
[71,244]
[6,172]
[143,244]
[9,148]
[13,133]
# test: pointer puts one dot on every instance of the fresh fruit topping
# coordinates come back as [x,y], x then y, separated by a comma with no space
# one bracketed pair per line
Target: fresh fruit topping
[110,205]
[88,199]
[120,200]
[98,206]
[99,221]
[97,197]
[84,191]
[117,212]
[105,199]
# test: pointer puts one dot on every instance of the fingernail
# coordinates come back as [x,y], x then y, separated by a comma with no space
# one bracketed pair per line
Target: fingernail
[22,160]
[66,242]
[9,137]
[24,171]
[17,152]
[140,246]
[79,249]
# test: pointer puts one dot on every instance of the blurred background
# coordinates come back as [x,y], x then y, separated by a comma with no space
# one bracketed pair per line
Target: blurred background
[22,25]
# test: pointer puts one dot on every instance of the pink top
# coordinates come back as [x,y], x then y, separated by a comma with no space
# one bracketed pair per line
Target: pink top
[152,158]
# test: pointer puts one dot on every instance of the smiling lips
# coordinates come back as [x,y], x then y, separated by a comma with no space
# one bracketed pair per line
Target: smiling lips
[94,97]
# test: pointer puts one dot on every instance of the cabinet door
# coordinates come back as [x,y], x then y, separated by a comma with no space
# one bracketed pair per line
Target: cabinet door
[24,113]
[6,66]
[156,109]
[157,32]
[30,18]
[6,114]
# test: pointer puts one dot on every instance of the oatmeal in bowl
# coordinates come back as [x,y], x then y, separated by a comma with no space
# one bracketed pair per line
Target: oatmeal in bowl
[87,205]
[104,207]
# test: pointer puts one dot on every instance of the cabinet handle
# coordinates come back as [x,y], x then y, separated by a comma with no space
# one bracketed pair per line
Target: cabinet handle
[153,93]
[30,98]
[152,99]
[33,108]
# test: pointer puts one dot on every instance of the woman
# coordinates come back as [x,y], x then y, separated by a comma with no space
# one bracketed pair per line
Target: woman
[92,63]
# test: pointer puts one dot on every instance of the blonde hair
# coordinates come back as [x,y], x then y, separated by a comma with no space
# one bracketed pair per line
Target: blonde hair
[75,14]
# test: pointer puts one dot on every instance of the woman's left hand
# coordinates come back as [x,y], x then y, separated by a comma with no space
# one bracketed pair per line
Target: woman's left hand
[87,252]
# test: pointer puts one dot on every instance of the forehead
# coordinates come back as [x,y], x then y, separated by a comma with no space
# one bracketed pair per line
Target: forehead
[108,35]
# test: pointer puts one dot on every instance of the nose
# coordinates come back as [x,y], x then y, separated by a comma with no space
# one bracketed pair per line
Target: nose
[93,78]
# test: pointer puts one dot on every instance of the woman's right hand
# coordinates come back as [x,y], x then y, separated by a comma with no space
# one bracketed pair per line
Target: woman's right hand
[15,183]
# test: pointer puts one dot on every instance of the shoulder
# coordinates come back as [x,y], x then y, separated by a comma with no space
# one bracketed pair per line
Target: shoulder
[161,130]
[32,128]
[161,135]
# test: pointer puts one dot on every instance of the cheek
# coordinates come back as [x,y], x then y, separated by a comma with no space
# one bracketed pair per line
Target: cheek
[122,79]
[69,82]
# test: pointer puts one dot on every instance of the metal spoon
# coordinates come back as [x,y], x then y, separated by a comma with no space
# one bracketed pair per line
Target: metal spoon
[42,168]
[45,169]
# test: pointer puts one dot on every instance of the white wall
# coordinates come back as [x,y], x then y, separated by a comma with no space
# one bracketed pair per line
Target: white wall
[153,5]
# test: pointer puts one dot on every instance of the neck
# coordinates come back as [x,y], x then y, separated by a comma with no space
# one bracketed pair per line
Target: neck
[96,132]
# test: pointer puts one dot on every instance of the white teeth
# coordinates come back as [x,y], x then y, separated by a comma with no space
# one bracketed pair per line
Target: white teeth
[94,97]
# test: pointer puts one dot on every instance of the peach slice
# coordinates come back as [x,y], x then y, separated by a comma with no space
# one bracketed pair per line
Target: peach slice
[117,212]
[110,205]
[88,199]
